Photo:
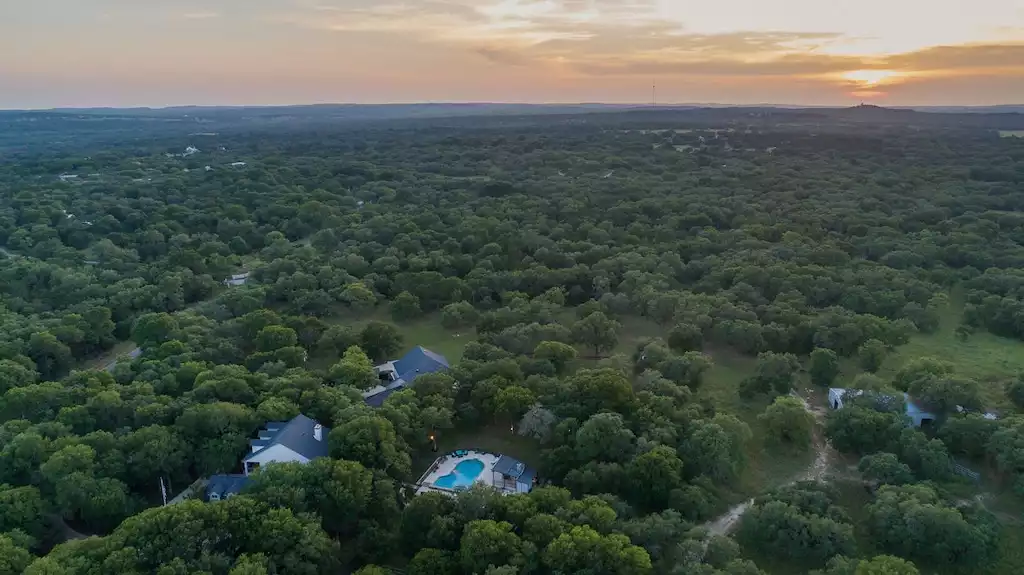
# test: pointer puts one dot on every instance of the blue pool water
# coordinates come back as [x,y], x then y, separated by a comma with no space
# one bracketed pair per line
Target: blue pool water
[464,474]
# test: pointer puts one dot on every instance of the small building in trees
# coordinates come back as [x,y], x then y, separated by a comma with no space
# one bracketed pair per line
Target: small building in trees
[237,279]
[299,440]
[222,487]
[917,414]
[512,476]
[400,373]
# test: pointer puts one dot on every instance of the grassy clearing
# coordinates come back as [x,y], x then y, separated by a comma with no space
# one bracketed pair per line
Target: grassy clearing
[634,329]
[102,361]
[494,438]
[768,465]
[426,331]
[1011,133]
[988,358]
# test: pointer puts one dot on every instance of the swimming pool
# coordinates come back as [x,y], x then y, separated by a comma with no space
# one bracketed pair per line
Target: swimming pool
[464,474]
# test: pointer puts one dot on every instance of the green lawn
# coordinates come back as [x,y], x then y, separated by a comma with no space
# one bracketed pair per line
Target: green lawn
[768,466]
[988,358]
[494,438]
[634,329]
[426,331]
[1011,133]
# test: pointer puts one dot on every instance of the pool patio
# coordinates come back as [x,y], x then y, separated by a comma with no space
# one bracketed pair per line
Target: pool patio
[495,472]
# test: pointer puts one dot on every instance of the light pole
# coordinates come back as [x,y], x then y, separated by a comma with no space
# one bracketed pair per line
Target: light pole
[433,440]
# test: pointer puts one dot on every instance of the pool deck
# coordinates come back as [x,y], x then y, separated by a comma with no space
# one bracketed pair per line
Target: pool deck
[446,464]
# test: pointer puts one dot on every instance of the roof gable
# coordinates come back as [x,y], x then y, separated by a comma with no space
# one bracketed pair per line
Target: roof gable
[418,361]
[298,436]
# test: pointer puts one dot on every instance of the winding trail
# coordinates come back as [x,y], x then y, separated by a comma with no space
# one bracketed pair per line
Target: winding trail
[818,469]
[66,531]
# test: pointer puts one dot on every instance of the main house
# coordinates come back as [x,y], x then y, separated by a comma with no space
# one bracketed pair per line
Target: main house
[300,440]
[400,373]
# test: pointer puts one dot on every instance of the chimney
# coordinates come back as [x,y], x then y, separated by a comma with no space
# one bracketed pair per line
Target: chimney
[318,432]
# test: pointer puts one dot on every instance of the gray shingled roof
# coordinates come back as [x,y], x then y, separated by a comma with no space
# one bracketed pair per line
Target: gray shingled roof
[509,466]
[297,435]
[224,485]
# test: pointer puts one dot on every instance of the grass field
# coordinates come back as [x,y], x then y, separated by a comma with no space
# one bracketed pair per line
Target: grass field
[767,465]
[426,331]
[1011,133]
[988,358]
[494,438]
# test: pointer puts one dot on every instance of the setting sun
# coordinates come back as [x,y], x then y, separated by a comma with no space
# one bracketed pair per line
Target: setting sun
[871,77]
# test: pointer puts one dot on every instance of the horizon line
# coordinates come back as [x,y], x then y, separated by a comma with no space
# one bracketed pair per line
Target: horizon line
[522,104]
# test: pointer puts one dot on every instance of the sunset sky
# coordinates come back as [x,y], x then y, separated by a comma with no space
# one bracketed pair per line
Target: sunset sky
[57,53]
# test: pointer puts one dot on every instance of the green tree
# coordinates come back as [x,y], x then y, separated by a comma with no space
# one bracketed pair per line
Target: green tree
[584,550]
[1014,391]
[405,307]
[337,338]
[558,353]
[52,357]
[513,402]
[886,565]
[773,372]
[13,558]
[686,337]
[153,329]
[911,521]
[861,430]
[590,391]
[824,367]
[380,340]
[355,370]
[370,440]
[605,437]
[786,420]
[460,314]
[798,523]
[274,337]
[488,543]
[885,468]
[871,354]
[597,331]
[687,369]
[653,476]
[359,297]
[22,508]
[432,562]
[13,374]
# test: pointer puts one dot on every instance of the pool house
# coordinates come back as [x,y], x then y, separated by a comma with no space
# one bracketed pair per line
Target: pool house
[511,475]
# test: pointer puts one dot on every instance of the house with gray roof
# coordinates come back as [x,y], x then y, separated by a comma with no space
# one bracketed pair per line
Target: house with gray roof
[222,487]
[400,373]
[300,440]
[511,475]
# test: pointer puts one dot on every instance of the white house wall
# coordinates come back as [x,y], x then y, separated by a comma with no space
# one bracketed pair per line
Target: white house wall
[275,454]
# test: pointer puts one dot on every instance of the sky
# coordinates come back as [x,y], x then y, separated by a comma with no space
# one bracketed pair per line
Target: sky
[121,53]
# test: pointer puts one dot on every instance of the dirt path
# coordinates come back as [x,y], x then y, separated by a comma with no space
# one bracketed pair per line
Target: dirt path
[66,531]
[817,470]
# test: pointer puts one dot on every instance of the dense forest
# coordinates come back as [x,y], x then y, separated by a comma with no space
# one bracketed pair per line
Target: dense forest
[648,306]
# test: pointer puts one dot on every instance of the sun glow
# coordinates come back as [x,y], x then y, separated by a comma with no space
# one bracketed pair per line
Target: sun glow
[869,78]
